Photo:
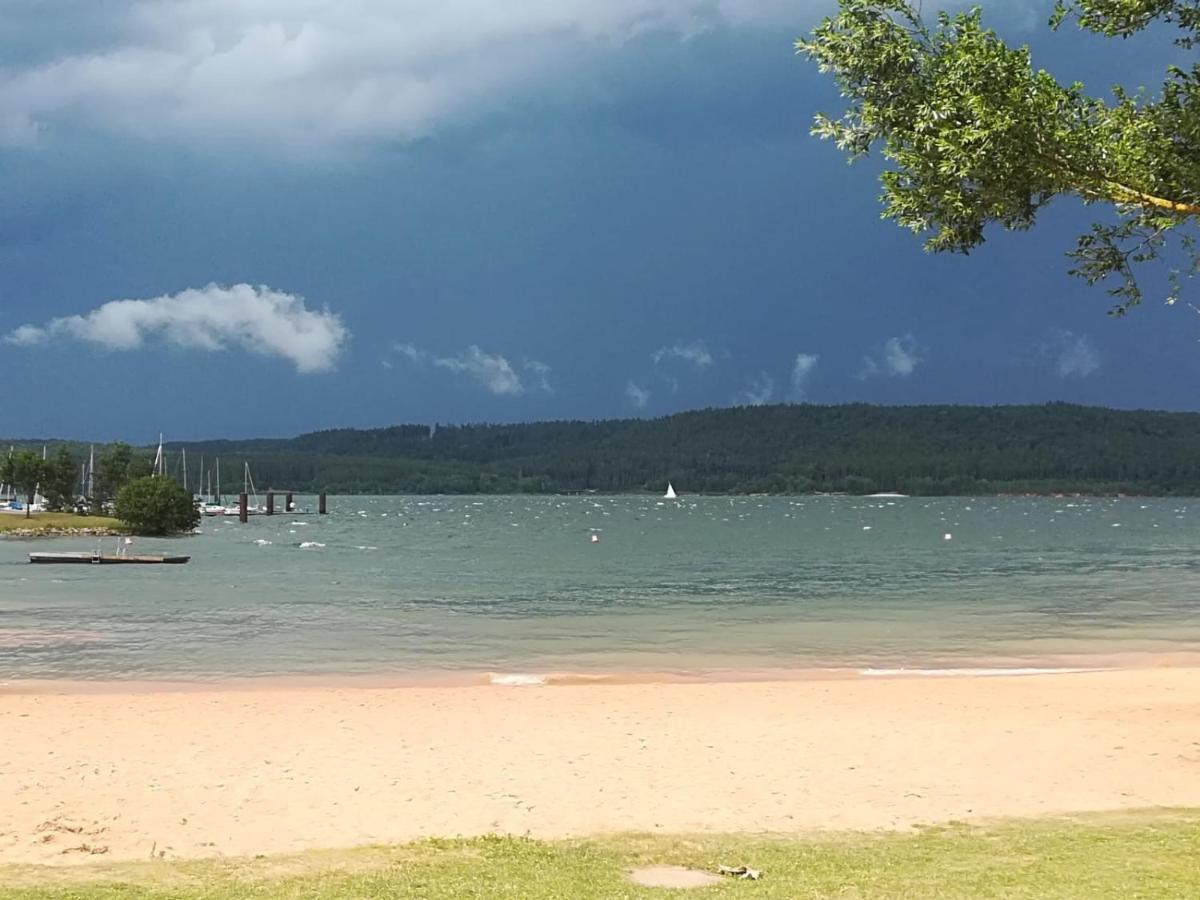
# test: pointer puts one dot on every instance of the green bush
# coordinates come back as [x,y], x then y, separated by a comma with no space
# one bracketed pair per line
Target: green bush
[155,505]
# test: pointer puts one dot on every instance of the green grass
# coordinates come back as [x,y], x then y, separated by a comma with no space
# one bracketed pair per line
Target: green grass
[51,522]
[1126,856]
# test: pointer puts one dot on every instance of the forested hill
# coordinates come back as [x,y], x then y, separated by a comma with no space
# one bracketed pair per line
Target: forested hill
[853,448]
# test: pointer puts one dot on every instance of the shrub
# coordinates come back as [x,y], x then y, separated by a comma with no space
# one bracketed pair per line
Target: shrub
[156,505]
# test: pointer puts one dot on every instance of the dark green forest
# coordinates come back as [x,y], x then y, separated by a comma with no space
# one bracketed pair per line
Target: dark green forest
[857,449]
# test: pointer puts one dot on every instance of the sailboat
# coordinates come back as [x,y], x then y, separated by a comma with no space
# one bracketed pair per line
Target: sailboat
[252,505]
[670,494]
[216,506]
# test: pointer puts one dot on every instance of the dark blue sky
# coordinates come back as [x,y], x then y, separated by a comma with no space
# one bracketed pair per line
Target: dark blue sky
[585,209]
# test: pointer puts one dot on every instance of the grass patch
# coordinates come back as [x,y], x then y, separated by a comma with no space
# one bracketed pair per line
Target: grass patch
[56,523]
[1126,856]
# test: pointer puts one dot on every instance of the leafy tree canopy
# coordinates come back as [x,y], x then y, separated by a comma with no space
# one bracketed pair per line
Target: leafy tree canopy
[976,135]
[115,467]
[23,470]
[58,479]
[155,505]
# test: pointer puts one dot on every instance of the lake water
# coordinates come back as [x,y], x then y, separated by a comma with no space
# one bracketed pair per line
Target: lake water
[397,586]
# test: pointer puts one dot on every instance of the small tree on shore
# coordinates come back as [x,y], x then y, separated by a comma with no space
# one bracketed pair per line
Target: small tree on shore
[156,506]
[58,480]
[24,470]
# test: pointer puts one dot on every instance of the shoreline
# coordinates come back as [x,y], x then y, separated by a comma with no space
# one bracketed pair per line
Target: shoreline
[211,772]
[535,677]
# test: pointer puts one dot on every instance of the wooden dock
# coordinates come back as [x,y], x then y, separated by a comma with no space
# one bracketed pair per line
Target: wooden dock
[106,559]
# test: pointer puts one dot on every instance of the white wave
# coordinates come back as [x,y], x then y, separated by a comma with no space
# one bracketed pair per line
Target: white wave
[307,544]
[263,542]
[517,679]
[936,673]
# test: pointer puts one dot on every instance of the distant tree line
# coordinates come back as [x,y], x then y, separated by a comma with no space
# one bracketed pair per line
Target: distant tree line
[856,449]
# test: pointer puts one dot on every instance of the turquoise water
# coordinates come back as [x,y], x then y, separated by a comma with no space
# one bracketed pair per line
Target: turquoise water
[485,584]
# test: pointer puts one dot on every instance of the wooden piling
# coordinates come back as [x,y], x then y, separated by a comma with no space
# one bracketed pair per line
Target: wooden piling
[270,503]
[321,509]
[243,508]
[288,505]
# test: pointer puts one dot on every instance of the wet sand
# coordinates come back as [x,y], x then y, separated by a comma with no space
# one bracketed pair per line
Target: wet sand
[126,771]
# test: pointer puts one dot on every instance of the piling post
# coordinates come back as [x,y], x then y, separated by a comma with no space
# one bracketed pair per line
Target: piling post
[270,503]
[288,505]
[321,508]
[243,508]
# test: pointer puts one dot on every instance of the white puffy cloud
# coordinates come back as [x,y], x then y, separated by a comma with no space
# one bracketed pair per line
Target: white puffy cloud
[901,356]
[304,73]
[802,370]
[492,371]
[695,353]
[637,395]
[1071,355]
[212,318]
[758,392]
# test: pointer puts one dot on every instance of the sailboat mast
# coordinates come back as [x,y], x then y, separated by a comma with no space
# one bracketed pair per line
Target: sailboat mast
[184,464]
[219,498]
[37,488]
[160,466]
[91,479]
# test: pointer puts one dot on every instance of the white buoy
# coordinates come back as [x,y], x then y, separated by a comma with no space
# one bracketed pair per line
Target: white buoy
[947,536]
[595,538]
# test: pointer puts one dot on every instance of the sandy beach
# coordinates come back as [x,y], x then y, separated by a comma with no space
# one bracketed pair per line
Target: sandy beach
[127,772]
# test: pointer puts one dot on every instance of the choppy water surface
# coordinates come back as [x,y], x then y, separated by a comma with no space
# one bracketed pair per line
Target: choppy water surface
[394,585]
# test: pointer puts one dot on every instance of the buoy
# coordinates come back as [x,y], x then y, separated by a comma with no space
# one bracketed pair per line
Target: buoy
[595,538]
[947,536]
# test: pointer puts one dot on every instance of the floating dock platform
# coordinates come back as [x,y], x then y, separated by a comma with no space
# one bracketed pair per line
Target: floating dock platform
[106,559]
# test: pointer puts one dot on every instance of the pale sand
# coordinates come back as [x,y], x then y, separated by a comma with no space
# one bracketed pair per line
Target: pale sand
[220,772]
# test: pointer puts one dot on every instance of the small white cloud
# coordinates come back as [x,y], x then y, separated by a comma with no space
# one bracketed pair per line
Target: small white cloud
[387,364]
[637,395]
[901,356]
[1071,355]
[410,352]
[212,318]
[869,369]
[491,370]
[695,353]
[539,372]
[759,392]
[802,370]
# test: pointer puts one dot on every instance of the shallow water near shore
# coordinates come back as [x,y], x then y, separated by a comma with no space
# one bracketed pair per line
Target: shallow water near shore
[396,586]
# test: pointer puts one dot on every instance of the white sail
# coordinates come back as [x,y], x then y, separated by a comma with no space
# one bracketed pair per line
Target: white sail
[670,494]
